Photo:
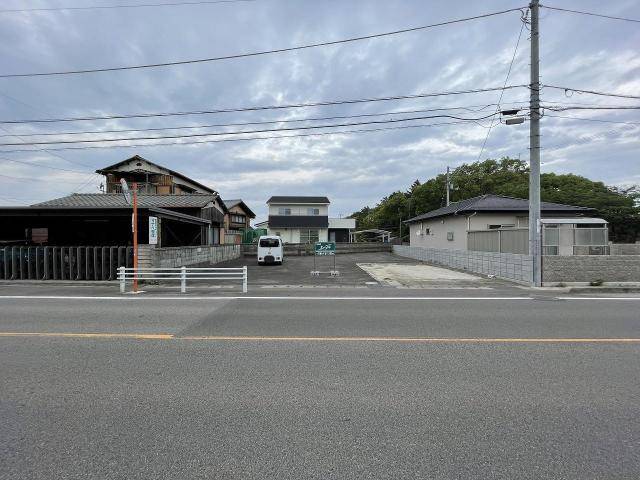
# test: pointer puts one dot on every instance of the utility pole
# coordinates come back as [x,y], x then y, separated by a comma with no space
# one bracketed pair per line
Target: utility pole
[448,186]
[534,148]
[135,237]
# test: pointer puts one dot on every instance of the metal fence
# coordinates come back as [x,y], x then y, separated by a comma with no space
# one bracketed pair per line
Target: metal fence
[514,240]
[181,274]
[63,263]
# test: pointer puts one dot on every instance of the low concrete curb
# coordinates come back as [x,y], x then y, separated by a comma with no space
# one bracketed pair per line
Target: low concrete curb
[629,289]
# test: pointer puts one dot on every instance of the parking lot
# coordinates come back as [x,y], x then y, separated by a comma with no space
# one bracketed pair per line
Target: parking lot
[380,273]
[359,270]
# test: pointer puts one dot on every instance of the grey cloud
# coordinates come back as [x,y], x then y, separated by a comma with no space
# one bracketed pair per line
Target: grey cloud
[353,170]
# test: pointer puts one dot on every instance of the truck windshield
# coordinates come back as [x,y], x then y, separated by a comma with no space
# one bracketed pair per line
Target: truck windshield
[269,242]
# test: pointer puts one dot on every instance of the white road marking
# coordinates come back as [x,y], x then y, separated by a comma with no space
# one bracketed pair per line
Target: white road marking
[294,298]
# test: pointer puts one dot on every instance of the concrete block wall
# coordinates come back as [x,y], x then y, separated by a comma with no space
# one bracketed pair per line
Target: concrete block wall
[297,249]
[589,268]
[174,257]
[624,249]
[146,256]
[510,266]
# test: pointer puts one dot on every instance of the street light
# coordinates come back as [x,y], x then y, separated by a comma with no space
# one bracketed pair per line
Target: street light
[514,121]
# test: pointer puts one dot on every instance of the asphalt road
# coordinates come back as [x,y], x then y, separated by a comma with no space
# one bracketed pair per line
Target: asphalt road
[333,388]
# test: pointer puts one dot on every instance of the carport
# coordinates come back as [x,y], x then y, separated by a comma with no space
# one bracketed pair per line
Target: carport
[372,233]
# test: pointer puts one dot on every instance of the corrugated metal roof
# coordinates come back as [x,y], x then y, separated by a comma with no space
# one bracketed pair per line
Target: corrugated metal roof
[297,199]
[496,203]
[116,200]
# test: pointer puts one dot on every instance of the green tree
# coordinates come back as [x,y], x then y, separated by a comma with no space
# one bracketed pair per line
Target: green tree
[509,177]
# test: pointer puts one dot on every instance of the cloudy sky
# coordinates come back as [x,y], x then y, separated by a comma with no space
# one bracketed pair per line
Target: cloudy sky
[353,169]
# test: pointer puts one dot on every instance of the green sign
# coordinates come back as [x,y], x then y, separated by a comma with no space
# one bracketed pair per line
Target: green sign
[325,248]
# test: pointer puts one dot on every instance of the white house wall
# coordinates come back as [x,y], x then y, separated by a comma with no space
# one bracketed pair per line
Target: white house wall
[299,209]
[437,236]
[292,235]
[459,225]
[481,221]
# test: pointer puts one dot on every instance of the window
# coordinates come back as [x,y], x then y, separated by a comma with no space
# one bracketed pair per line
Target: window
[269,242]
[450,236]
[502,225]
[309,236]
[284,211]
[313,211]
[523,222]
[550,239]
[238,218]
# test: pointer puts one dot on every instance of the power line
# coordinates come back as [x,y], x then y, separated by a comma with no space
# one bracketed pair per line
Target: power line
[41,166]
[579,141]
[470,108]
[515,51]
[259,108]
[262,52]
[620,107]
[591,119]
[271,137]
[266,130]
[133,5]
[21,139]
[590,14]
[592,92]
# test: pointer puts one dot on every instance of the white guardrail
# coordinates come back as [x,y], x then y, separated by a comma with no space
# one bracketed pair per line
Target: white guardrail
[182,274]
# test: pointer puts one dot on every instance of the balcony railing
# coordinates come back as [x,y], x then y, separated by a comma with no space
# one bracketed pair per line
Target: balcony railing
[142,187]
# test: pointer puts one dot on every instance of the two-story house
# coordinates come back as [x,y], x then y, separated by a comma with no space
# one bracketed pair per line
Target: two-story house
[304,219]
[299,219]
[236,219]
[150,178]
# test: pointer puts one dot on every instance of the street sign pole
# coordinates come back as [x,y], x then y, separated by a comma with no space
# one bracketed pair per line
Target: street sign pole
[325,249]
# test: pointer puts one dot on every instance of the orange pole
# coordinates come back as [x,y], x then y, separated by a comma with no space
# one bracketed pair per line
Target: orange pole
[135,237]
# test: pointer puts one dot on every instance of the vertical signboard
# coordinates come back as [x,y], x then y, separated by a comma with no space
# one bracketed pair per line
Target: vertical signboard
[153,230]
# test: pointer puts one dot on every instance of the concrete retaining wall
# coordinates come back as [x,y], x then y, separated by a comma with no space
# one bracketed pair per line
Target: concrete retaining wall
[184,256]
[299,249]
[624,249]
[510,266]
[590,268]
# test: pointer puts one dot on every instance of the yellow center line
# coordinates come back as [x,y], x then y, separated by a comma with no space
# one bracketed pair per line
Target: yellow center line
[144,336]
[234,338]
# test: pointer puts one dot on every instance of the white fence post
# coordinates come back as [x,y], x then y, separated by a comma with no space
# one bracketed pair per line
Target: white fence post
[183,279]
[244,279]
[121,276]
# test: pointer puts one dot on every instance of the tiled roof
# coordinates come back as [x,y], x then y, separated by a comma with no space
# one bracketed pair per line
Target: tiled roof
[232,203]
[238,201]
[496,203]
[297,199]
[116,200]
